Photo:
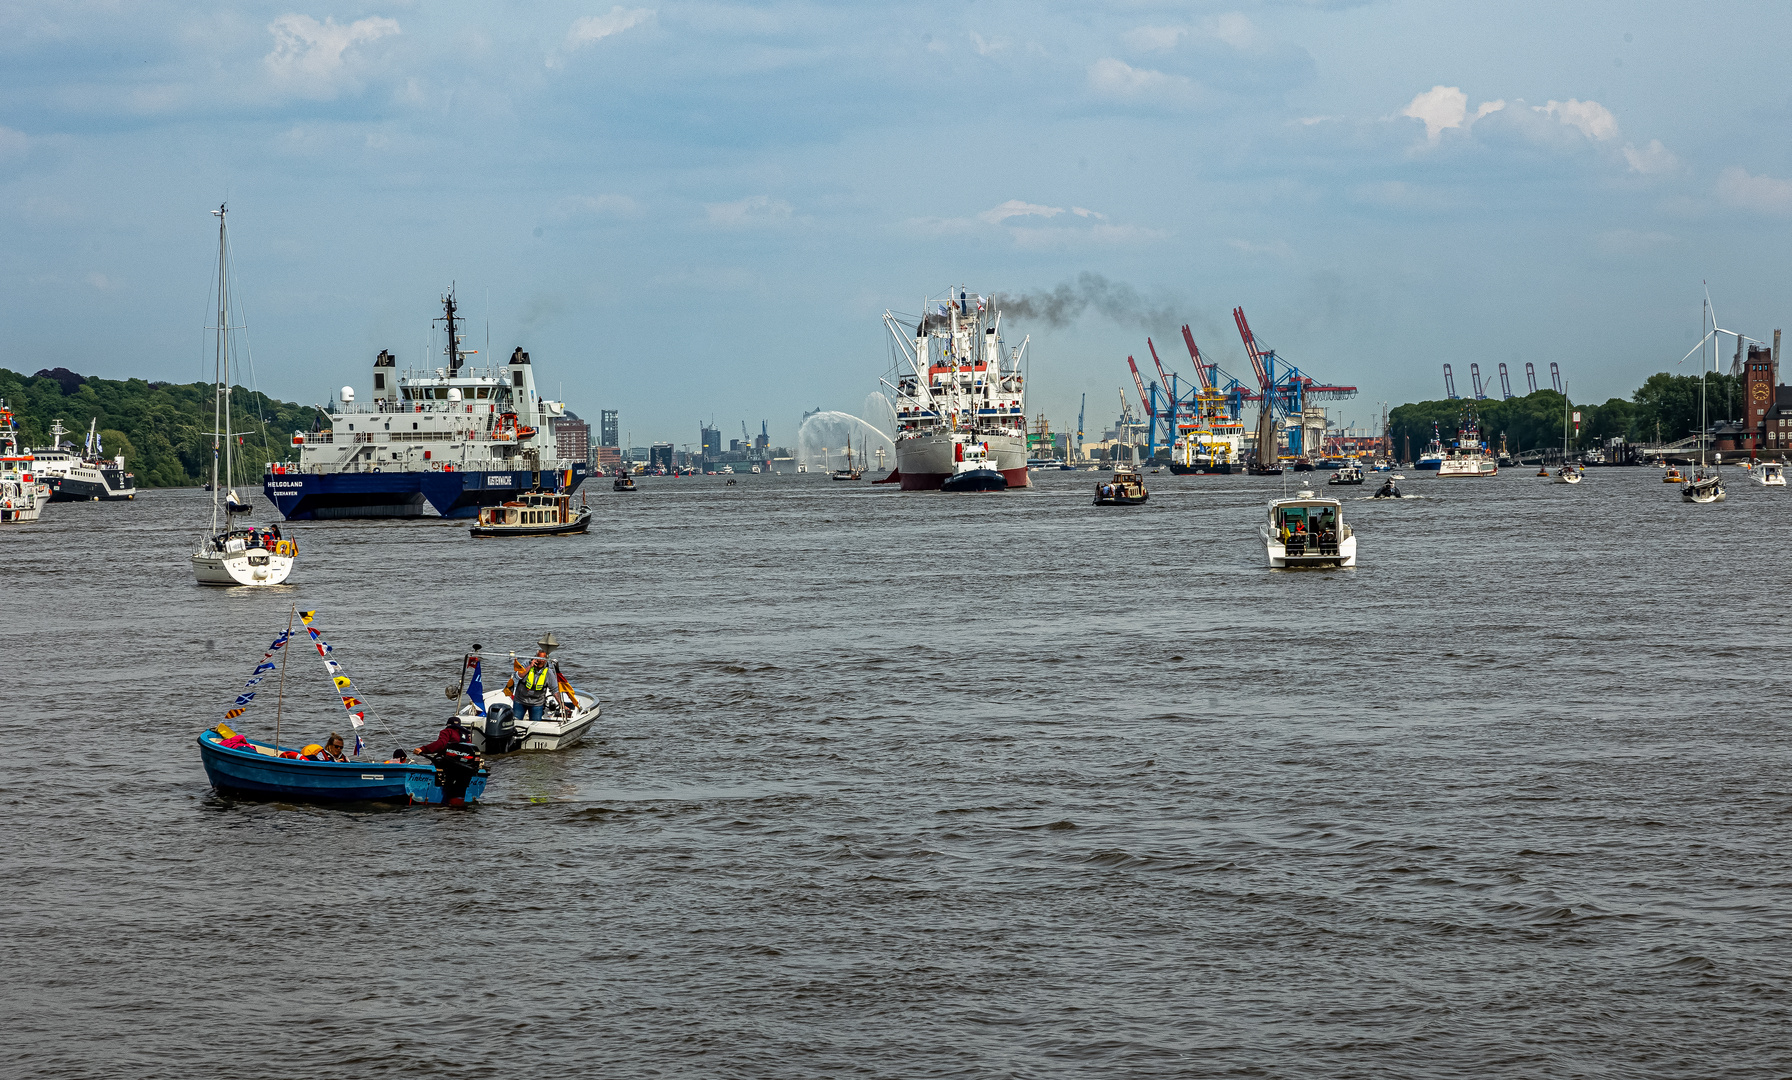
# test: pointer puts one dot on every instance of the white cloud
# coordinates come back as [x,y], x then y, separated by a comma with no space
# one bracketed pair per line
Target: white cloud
[1016,208]
[1488,108]
[1440,107]
[986,47]
[1114,78]
[312,58]
[1590,118]
[753,212]
[1080,212]
[1763,193]
[1651,159]
[99,281]
[1233,28]
[594,28]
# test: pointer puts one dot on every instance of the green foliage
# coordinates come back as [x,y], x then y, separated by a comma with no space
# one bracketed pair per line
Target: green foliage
[1672,401]
[159,427]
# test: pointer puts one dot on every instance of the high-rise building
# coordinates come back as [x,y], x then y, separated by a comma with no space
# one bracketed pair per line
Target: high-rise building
[660,456]
[712,442]
[572,438]
[608,429]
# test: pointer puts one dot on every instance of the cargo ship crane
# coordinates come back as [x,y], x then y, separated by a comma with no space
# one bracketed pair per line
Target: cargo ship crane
[1555,377]
[1530,375]
[1474,376]
[1505,384]
[1449,383]
[1286,394]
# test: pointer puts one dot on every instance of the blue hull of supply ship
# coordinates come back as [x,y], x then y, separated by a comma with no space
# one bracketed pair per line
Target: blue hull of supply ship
[449,440]
[322,496]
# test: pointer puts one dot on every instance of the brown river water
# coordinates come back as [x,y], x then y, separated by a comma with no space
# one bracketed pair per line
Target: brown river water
[913,785]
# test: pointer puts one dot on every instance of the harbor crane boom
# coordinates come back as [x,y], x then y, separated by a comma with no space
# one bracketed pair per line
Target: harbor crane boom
[1555,378]
[1505,384]
[1449,383]
[1203,371]
[1250,346]
[1474,375]
[1139,382]
[1162,375]
[1530,375]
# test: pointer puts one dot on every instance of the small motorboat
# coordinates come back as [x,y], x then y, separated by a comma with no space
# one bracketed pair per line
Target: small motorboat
[1569,474]
[1307,531]
[1387,490]
[1673,476]
[490,716]
[1768,474]
[1347,476]
[534,513]
[623,483]
[262,769]
[973,471]
[1542,471]
[1125,489]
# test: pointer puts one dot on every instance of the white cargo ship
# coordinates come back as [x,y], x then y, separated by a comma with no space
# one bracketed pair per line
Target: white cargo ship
[957,385]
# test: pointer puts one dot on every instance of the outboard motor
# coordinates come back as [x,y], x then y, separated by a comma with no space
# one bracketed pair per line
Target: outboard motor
[500,730]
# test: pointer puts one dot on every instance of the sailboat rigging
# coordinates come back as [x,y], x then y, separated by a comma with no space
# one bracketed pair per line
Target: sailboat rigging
[233,554]
[1703,488]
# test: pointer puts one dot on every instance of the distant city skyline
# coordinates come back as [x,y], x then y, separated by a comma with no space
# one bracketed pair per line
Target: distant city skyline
[684,211]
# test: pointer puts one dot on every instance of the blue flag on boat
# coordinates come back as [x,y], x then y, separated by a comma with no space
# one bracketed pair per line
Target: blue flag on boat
[476,689]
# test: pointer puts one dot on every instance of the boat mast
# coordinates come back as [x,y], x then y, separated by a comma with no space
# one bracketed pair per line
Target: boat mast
[219,406]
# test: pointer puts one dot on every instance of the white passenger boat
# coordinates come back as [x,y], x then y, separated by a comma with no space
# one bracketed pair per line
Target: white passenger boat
[1308,531]
[1468,454]
[496,729]
[233,554]
[1768,474]
[82,475]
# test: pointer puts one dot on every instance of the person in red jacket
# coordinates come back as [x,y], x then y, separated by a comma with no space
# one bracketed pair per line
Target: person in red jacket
[453,753]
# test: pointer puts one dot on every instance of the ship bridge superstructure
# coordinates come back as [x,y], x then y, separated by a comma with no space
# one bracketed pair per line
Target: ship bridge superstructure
[953,372]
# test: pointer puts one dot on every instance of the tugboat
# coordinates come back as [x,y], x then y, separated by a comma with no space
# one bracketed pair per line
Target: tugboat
[1307,531]
[1348,476]
[490,716]
[623,482]
[533,513]
[22,493]
[1125,489]
[974,470]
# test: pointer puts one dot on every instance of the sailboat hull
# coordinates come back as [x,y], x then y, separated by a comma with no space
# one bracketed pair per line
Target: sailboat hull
[254,566]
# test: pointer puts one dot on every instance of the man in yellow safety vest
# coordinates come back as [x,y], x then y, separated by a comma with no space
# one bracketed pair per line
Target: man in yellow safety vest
[532,688]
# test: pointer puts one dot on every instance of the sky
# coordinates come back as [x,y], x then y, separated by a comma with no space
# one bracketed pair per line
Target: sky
[700,211]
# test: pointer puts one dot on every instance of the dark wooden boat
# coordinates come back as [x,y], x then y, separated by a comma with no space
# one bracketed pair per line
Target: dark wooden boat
[624,483]
[1125,489]
[534,513]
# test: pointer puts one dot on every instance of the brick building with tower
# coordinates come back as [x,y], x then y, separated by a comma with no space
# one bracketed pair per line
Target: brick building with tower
[572,438]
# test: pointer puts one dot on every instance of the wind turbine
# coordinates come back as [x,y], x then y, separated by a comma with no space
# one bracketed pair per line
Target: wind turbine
[1710,335]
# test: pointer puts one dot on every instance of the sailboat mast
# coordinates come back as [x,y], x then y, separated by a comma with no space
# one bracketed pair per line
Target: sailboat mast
[218,371]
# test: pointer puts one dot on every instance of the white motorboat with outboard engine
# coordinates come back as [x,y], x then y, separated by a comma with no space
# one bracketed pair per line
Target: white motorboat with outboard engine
[1768,474]
[1308,531]
[233,554]
[491,716]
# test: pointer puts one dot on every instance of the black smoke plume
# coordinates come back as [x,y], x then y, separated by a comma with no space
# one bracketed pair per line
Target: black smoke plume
[1063,305]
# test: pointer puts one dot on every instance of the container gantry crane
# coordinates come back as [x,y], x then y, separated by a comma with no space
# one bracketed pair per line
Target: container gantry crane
[1505,384]
[1286,394]
[1474,377]
[1449,383]
[1530,375]
[1555,377]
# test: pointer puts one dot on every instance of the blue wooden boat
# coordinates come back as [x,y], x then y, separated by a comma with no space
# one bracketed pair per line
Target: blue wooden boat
[259,770]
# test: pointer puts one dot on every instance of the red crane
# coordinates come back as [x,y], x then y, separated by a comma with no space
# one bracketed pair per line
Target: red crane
[1140,383]
[1250,346]
[1194,353]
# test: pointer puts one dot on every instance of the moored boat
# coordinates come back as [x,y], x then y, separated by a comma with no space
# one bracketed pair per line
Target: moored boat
[82,475]
[1308,531]
[22,492]
[1768,474]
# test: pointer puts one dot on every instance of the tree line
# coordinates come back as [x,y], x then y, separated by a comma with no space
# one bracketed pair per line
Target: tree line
[162,429]
[1664,409]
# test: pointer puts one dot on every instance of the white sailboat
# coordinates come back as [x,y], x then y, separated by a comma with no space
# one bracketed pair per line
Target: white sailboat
[1703,488]
[1567,474]
[233,554]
